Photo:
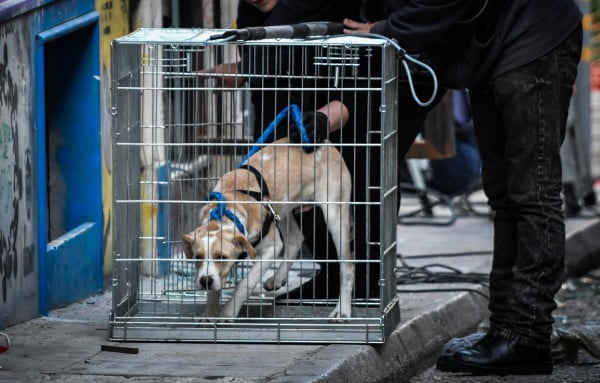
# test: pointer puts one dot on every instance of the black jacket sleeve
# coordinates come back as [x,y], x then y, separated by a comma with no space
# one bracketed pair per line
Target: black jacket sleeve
[294,11]
[419,23]
[263,59]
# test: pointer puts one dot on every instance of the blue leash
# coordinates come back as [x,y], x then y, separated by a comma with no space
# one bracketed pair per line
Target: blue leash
[218,212]
[296,117]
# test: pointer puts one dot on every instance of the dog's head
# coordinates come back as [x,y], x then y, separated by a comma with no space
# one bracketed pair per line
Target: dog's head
[216,247]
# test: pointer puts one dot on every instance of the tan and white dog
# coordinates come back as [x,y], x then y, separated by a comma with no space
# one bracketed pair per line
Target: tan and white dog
[282,178]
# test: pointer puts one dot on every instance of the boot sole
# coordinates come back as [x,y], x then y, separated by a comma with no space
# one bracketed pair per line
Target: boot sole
[541,368]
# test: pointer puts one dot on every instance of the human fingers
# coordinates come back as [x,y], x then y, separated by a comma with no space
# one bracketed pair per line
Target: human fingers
[352,26]
[221,69]
[225,75]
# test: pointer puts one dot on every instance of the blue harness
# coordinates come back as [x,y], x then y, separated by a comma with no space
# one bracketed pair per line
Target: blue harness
[220,210]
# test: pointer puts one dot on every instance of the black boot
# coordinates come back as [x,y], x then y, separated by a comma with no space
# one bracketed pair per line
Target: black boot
[495,355]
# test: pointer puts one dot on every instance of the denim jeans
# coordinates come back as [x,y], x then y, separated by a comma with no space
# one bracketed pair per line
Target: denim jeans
[520,120]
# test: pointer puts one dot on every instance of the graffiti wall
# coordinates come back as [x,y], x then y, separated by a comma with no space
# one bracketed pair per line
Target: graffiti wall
[33,36]
[18,263]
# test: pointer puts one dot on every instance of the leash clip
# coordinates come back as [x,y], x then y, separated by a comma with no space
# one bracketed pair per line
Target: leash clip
[276,216]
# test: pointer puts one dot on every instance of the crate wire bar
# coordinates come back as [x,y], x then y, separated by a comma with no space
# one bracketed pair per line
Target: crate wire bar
[177,128]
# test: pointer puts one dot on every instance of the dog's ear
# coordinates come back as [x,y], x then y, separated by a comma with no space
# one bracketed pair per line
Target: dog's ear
[241,241]
[187,245]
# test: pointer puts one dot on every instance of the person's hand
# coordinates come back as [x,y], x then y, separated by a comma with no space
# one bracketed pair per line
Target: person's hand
[225,74]
[316,126]
[351,26]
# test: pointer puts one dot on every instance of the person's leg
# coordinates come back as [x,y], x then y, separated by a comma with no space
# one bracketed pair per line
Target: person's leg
[492,143]
[532,103]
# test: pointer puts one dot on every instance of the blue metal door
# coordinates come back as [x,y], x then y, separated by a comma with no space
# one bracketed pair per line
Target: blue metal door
[68,159]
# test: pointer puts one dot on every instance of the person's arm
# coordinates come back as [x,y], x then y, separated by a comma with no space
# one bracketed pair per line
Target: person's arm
[328,118]
[337,115]
[294,11]
[418,23]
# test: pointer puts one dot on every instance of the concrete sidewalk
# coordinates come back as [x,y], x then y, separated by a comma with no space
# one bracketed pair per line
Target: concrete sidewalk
[66,345]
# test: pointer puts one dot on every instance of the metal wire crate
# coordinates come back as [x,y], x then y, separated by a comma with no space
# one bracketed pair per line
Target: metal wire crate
[176,129]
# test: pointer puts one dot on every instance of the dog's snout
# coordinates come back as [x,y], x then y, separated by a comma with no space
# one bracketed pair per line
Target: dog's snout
[206,281]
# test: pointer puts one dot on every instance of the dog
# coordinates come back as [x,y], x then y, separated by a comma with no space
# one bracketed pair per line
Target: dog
[282,178]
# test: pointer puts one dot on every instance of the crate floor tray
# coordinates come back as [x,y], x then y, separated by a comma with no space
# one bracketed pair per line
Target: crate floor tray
[285,323]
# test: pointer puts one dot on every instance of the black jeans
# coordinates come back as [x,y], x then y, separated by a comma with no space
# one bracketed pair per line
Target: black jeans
[520,122]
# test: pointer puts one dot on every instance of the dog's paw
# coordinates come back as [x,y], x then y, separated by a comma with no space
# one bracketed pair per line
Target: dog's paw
[212,320]
[204,320]
[336,317]
[340,315]
[228,313]
[217,317]
[273,284]
[224,320]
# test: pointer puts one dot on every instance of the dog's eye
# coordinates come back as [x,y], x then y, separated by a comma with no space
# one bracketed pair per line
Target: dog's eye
[198,257]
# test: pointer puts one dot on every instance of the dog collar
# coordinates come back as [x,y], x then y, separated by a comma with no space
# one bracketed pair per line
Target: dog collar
[272,216]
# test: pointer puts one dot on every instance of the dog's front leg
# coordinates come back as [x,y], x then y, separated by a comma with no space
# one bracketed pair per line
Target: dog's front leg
[246,285]
[292,237]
